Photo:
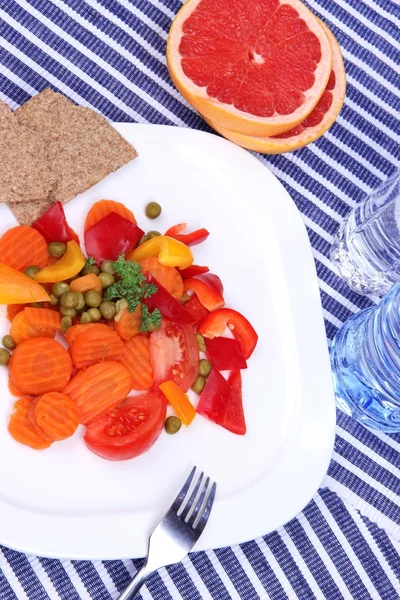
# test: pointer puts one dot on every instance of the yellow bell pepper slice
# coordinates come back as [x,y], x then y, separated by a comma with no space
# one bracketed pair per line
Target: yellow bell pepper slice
[68,266]
[179,401]
[170,252]
[17,288]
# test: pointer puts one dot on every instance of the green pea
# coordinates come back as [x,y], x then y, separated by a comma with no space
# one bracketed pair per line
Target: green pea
[66,322]
[81,301]
[108,309]
[4,356]
[57,249]
[31,271]
[92,269]
[153,210]
[200,342]
[143,239]
[53,300]
[69,300]
[152,234]
[8,342]
[204,367]
[68,312]
[106,280]
[172,425]
[94,314]
[185,298]
[85,318]
[60,288]
[107,266]
[199,384]
[93,299]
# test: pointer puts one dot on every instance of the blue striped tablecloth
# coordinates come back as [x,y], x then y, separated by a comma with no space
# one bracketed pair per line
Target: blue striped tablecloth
[110,55]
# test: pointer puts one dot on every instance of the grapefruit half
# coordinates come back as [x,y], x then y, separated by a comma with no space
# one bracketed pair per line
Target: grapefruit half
[316,124]
[254,66]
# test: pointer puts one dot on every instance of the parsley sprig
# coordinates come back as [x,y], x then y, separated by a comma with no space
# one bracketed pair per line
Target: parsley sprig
[133,286]
[90,262]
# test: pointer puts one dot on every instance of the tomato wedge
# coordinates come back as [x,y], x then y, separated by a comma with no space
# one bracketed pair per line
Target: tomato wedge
[174,354]
[129,429]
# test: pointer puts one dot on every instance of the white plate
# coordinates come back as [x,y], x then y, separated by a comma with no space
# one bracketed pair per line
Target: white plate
[67,502]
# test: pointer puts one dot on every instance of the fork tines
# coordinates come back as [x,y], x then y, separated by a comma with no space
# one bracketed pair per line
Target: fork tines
[194,502]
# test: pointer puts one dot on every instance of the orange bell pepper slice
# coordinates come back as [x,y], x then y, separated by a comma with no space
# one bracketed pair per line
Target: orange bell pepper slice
[68,266]
[179,401]
[170,252]
[17,288]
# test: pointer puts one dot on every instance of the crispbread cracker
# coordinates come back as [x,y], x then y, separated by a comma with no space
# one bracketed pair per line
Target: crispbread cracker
[82,147]
[25,175]
[29,212]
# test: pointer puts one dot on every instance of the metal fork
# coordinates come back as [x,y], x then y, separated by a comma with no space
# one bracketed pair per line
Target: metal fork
[178,531]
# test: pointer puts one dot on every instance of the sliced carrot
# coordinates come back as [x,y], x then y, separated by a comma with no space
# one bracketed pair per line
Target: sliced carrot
[75,330]
[40,365]
[86,283]
[102,208]
[168,277]
[93,345]
[21,428]
[129,323]
[32,418]
[99,388]
[14,391]
[136,358]
[57,415]
[14,309]
[35,322]
[23,246]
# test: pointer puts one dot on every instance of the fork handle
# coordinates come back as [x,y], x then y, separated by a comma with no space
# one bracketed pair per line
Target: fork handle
[136,583]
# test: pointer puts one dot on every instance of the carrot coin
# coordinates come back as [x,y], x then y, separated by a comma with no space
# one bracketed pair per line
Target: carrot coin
[57,415]
[21,428]
[103,208]
[23,246]
[136,358]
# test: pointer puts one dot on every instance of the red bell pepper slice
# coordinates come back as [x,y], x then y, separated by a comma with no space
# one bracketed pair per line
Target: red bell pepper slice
[196,309]
[233,417]
[190,239]
[54,227]
[214,397]
[168,306]
[215,324]
[225,354]
[111,236]
[193,271]
[208,288]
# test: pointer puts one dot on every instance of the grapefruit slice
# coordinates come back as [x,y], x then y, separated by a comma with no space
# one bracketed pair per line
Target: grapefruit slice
[315,125]
[254,66]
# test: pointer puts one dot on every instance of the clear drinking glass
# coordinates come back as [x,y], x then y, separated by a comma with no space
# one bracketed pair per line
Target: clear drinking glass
[366,251]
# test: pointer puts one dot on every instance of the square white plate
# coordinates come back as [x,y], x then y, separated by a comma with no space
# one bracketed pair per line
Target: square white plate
[67,502]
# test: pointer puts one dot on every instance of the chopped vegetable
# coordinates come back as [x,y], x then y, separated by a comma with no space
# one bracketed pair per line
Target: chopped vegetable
[170,252]
[57,415]
[17,288]
[86,283]
[93,345]
[14,309]
[136,358]
[190,239]
[215,324]
[225,354]
[21,428]
[168,277]
[233,417]
[110,237]
[102,208]
[196,309]
[208,288]
[54,227]
[99,388]
[40,365]
[214,397]
[166,304]
[67,267]
[35,322]
[76,330]
[179,401]
[23,246]
[193,271]
[128,325]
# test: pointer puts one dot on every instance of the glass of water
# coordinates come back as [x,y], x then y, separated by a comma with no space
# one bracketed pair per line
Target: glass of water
[366,251]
